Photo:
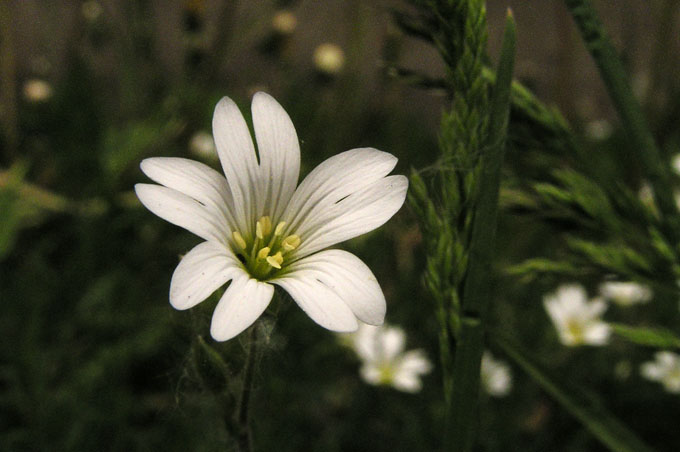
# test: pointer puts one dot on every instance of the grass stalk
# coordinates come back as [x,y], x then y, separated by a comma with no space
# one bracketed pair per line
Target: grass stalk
[476,289]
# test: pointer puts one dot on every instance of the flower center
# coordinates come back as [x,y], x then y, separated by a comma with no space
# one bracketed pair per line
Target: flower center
[266,254]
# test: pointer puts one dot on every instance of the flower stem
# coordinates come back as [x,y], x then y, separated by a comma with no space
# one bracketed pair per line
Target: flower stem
[243,435]
[477,287]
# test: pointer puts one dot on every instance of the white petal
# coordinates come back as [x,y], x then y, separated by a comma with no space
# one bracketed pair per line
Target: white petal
[597,334]
[347,276]
[319,302]
[193,179]
[358,213]
[416,362]
[365,342]
[183,211]
[336,178]
[237,155]
[652,371]
[242,303]
[406,381]
[203,270]
[595,308]
[392,341]
[370,373]
[279,151]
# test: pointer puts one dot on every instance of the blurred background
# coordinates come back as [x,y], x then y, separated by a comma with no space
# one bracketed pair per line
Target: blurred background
[92,357]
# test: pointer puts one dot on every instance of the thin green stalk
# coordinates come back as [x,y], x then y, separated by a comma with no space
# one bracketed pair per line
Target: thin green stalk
[243,435]
[476,289]
[632,117]
[600,422]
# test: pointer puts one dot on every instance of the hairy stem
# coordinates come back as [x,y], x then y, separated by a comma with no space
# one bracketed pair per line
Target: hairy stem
[243,436]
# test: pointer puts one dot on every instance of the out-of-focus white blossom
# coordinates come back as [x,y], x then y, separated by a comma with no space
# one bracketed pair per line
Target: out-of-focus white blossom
[36,90]
[665,369]
[203,145]
[675,163]
[495,375]
[646,194]
[284,22]
[384,361]
[329,58]
[578,321]
[91,10]
[599,129]
[625,293]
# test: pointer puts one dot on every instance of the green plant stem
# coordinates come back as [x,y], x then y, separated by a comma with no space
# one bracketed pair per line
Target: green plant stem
[631,114]
[243,435]
[600,422]
[476,289]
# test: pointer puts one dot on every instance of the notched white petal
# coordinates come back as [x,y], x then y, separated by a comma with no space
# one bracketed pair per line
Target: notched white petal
[349,278]
[336,178]
[242,303]
[357,214]
[237,154]
[203,270]
[320,303]
[183,211]
[279,151]
[195,180]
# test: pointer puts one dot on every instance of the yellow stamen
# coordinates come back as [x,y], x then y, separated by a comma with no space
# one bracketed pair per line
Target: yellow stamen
[263,253]
[279,228]
[276,260]
[238,238]
[263,227]
[291,242]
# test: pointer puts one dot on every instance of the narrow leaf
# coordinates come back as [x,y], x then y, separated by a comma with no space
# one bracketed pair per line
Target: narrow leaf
[653,337]
[583,406]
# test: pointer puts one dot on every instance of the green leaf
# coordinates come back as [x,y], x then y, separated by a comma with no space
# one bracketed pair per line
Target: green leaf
[583,406]
[652,337]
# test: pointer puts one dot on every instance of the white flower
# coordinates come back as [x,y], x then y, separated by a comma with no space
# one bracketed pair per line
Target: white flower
[381,350]
[36,90]
[329,58]
[259,229]
[664,369]
[625,293]
[284,22]
[675,163]
[202,144]
[577,321]
[495,375]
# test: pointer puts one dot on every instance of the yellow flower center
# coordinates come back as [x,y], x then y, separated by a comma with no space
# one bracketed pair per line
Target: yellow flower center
[268,250]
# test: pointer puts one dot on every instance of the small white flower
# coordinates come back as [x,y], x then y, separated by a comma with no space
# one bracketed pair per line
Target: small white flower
[202,144]
[381,350]
[625,293]
[284,22]
[329,58]
[577,321]
[36,90]
[675,163]
[599,129]
[261,230]
[665,369]
[495,375]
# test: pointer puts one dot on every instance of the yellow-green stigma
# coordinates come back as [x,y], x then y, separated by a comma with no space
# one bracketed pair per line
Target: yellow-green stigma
[266,252]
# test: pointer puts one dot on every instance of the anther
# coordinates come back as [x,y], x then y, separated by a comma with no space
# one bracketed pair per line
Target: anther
[276,260]
[263,253]
[279,228]
[291,242]
[238,238]
[263,227]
